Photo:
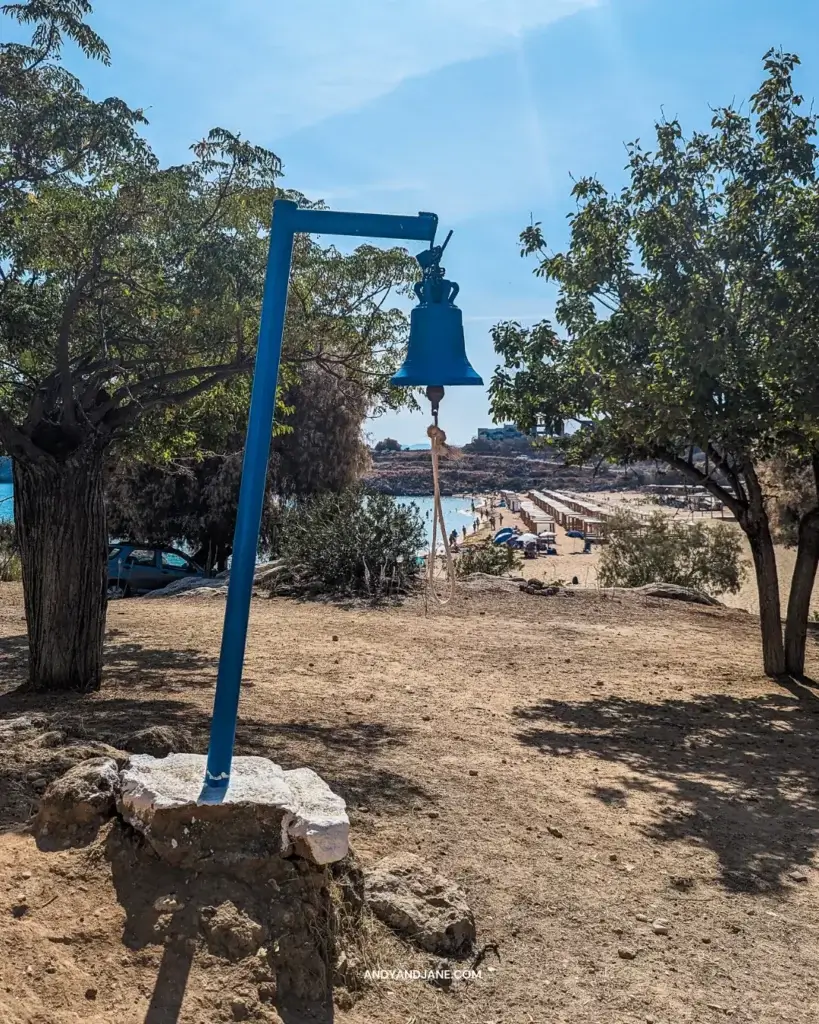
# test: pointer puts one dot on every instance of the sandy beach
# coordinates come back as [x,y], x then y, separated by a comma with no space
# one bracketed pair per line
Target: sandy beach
[570,562]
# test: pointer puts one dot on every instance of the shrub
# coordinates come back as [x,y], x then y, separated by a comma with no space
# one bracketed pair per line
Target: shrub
[350,544]
[10,568]
[489,558]
[701,556]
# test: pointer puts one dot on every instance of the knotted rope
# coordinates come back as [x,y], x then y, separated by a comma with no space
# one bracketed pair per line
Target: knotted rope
[437,440]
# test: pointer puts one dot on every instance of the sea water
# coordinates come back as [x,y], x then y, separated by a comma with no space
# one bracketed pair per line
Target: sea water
[457,511]
[6,503]
[457,514]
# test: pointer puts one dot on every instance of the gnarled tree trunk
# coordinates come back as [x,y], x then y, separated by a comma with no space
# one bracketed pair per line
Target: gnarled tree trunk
[804,575]
[60,515]
[770,613]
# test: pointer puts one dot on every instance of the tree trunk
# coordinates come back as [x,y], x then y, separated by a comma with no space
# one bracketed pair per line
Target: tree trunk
[767,581]
[804,575]
[60,514]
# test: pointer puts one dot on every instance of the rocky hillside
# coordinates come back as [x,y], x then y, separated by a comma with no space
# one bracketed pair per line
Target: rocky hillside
[411,473]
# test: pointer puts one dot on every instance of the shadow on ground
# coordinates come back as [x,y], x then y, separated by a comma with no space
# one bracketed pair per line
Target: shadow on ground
[739,775]
[284,961]
[130,663]
[345,754]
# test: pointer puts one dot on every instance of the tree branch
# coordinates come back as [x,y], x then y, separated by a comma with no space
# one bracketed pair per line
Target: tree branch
[117,417]
[64,346]
[735,504]
[16,442]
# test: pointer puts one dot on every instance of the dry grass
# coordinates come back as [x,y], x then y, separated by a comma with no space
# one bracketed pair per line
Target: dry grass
[580,765]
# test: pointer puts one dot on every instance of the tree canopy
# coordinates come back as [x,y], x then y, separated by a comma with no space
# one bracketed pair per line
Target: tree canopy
[130,298]
[318,448]
[689,303]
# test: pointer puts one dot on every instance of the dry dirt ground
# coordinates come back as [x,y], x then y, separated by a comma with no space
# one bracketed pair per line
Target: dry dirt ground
[581,766]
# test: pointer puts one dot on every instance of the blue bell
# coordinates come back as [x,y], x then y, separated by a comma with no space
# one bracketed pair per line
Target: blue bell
[436,353]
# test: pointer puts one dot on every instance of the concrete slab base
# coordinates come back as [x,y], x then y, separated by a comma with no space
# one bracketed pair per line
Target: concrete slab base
[265,812]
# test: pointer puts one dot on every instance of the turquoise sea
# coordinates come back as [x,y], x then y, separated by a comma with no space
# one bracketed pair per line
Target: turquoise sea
[6,504]
[457,513]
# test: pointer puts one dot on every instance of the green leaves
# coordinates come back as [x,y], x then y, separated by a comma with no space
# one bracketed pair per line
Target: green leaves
[689,299]
[128,290]
[662,550]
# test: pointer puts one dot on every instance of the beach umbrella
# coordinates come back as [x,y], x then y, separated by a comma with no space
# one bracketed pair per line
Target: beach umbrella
[526,538]
[578,534]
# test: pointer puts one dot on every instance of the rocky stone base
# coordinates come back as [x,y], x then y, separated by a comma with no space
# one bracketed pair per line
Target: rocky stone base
[281,930]
[258,874]
[264,812]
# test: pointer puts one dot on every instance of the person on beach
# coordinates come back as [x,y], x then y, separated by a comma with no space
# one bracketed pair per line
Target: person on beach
[463,531]
[491,522]
[500,518]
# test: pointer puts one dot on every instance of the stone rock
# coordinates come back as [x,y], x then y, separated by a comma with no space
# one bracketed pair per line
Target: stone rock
[167,904]
[241,1008]
[321,828]
[798,876]
[229,932]
[20,723]
[82,799]
[626,954]
[52,738]
[263,813]
[156,740]
[425,907]
[660,926]
[267,992]
[672,592]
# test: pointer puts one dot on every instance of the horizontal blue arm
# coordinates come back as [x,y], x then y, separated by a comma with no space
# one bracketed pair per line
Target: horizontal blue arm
[365,225]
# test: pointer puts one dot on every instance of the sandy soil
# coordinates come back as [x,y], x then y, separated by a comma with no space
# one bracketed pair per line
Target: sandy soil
[570,560]
[581,765]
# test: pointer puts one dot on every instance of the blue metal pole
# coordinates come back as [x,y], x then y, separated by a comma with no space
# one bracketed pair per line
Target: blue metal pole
[287,220]
[251,495]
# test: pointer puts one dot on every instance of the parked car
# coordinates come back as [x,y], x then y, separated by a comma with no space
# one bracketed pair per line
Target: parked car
[138,568]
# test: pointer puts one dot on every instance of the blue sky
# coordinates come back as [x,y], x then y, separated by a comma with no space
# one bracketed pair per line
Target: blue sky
[477,109]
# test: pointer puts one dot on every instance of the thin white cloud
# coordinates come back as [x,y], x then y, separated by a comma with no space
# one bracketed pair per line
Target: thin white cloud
[299,63]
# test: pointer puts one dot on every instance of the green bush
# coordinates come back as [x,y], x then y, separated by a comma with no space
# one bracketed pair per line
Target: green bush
[489,558]
[701,556]
[10,568]
[350,544]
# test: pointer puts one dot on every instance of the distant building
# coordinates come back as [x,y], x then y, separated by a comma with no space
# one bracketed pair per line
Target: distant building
[507,432]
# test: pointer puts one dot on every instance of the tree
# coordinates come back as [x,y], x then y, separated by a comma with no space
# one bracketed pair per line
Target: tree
[318,447]
[127,292]
[389,444]
[690,304]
